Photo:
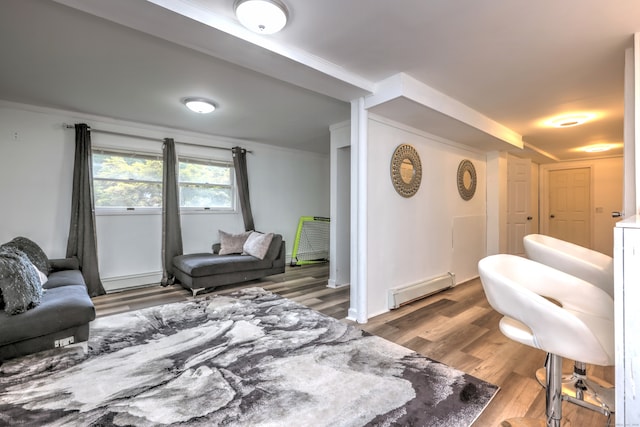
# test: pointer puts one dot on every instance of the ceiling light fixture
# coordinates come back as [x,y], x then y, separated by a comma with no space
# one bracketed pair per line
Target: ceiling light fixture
[199,105]
[262,16]
[598,148]
[570,120]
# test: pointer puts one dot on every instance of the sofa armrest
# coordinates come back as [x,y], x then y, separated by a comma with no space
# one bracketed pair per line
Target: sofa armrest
[282,255]
[60,264]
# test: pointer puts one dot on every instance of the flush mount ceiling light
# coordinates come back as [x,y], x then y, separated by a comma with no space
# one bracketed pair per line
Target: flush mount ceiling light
[199,105]
[261,16]
[570,120]
[598,148]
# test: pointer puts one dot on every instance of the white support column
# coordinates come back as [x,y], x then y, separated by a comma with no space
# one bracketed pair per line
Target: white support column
[626,254]
[358,308]
[340,195]
[626,259]
[635,123]
[631,88]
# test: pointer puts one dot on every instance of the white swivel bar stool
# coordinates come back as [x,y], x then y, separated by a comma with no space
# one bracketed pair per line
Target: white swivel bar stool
[553,311]
[593,267]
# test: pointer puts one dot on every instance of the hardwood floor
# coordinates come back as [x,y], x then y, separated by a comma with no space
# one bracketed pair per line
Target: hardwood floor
[456,327]
[306,285]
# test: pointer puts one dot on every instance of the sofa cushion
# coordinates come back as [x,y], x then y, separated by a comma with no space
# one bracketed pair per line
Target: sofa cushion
[257,244]
[19,281]
[274,248]
[71,263]
[206,264]
[65,278]
[31,249]
[232,243]
[60,308]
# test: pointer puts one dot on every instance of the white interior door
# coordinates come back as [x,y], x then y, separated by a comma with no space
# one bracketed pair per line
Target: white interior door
[570,205]
[518,203]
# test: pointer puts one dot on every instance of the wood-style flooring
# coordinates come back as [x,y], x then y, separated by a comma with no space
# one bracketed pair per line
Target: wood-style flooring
[456,327]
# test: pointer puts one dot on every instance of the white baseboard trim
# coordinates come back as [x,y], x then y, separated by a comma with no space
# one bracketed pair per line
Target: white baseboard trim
[352,315]
[331,283]
[119,283]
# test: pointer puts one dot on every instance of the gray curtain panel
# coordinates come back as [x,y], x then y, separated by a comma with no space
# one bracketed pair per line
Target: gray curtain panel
[82,231]
[242,179]
[171,228]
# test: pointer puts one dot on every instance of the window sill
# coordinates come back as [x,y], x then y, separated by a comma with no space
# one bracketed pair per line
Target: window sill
[158,211]
[199,211]
[125,211]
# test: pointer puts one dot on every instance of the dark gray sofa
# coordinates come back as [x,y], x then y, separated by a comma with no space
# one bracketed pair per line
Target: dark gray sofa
[202,271]
[62,317]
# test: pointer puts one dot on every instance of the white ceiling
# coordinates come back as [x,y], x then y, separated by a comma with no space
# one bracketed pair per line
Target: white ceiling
[516,62]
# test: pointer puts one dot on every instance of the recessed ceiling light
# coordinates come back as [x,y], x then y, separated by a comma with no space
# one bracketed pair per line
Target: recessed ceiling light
[199,105]
[261,16]
[598,148]
[570,120]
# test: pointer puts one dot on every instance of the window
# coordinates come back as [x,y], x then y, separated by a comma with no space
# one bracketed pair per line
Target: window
[126,180]
[133,181]
[205,185]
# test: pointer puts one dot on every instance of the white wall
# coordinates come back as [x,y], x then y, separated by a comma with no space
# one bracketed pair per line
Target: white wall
[35,186]
[411,239]
[340,238]
[497,207]
[608,197]
[36,167]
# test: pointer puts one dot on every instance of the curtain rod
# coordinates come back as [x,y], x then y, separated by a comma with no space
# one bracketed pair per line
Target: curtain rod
[148,138]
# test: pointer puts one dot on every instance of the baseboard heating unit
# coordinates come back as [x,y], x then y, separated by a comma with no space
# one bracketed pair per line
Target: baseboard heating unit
[405,294]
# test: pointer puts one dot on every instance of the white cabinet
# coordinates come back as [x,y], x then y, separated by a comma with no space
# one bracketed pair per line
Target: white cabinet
[627,320]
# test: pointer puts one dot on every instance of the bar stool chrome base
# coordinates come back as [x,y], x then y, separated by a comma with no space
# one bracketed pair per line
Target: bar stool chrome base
[553,397]
[591,393]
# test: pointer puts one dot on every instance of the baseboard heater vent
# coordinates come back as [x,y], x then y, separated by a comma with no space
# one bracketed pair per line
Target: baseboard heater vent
[407,294]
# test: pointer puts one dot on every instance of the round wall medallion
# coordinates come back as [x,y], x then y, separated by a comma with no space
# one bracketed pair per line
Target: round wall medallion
[406,170]
[467,179]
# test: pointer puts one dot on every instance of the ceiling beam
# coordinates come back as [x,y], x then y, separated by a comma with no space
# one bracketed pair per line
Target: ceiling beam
[454,118]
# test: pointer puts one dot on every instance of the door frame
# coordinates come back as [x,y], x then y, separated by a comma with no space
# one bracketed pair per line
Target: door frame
[528,224]
[544,194]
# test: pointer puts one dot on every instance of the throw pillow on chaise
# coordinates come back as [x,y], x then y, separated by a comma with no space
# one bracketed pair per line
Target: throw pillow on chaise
[232,243]
[257,244]
[31,249]
[20,282]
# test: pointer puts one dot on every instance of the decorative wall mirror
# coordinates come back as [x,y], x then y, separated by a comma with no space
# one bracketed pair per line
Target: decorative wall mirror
[406,170]
[467,179]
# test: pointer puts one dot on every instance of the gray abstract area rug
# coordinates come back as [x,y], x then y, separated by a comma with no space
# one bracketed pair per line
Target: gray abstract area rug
[251,358]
